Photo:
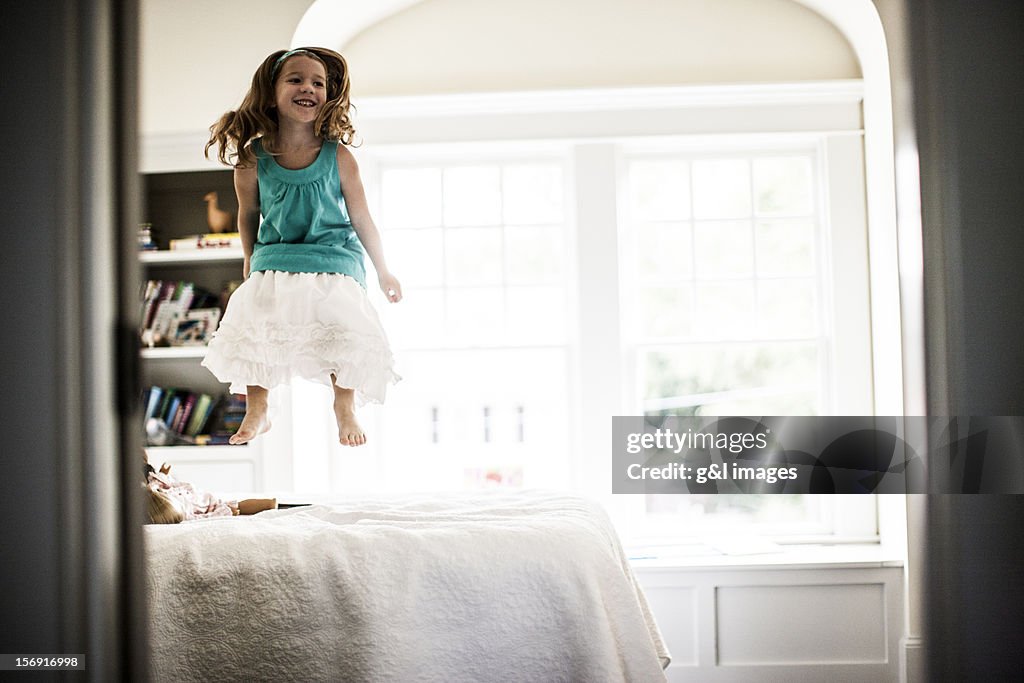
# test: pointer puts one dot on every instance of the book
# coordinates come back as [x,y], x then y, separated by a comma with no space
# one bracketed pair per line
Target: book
[200,414]
[185,243]
[222,240]
[165,320]
[184,413]
[165,402]
[172,410]
[150,296]
[154,394]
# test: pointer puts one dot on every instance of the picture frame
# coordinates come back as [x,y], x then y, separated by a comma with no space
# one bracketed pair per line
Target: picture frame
[196,327]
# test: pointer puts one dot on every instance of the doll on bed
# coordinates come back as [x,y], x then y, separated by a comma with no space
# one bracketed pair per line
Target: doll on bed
[171,501]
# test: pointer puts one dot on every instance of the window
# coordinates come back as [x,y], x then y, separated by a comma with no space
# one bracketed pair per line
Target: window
[725,282]
[725,285]
[480,245]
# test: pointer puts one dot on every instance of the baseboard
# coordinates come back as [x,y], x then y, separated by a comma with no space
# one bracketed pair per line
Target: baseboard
[912,660]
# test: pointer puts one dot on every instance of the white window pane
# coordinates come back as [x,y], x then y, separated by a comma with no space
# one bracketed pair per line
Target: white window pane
[472,195]
[435,428]
[742,370]
[473,256]
[785,248]
[534,254]
[784,401]
[666,311]
[416,256]
[536,315]
[475,315]
[724,249]
[664,251]
[782,185]
[411,198]
[725,309]
[417,321]
[786,308]
[721,188]
[660,190]
[533,194]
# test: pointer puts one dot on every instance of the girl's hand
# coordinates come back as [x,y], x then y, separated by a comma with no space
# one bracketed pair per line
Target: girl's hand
[391,287]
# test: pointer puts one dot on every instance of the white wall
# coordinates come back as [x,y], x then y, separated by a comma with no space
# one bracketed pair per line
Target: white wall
[440,46]
[198,56]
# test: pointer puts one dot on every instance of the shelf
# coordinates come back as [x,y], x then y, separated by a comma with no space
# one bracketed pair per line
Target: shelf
[168,257]
[219,452]
[168,352]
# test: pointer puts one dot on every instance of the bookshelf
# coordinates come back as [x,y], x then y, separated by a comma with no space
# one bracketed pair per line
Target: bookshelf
[174,204]
[188,258]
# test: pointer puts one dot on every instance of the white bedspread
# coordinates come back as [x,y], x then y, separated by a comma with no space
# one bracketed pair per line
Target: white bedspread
[507,587]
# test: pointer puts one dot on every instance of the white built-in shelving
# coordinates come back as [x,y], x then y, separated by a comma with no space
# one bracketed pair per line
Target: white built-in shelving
[176,208]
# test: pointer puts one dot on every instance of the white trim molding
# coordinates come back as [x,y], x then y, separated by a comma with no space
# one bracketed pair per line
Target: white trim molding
[848,91]
[598,113]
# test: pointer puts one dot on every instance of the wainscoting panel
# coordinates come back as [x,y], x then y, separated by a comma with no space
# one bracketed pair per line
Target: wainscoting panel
[817,624]
[766,623]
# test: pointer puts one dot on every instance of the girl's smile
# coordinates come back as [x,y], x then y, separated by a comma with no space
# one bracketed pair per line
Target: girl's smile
[301,89]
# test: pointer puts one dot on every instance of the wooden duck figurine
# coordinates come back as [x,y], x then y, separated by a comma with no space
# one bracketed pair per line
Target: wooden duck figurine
[217,219]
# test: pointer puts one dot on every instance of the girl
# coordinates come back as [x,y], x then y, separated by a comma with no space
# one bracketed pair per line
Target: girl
[302,309]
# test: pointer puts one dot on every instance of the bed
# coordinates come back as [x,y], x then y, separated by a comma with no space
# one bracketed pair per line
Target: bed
[525,586]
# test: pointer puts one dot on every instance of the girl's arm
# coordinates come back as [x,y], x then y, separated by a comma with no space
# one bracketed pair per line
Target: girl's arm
[366,229]
[248,193]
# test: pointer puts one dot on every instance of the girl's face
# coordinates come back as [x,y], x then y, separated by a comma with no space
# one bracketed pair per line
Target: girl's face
[301,88]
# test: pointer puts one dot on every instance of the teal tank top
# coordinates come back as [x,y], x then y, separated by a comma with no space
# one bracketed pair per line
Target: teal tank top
[305,226]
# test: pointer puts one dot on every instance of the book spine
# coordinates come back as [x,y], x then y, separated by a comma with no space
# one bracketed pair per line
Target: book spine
[187,406]
[172,411]
[153,400]
[165,404]
[199,412]
[153,288]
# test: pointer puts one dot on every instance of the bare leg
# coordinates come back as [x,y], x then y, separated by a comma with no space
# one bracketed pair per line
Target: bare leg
[255,421]
[349,431]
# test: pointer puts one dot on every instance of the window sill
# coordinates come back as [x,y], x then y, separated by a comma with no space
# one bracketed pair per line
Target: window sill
[761,554]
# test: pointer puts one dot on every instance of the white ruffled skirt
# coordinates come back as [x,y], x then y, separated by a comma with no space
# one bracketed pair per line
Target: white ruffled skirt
[281,325]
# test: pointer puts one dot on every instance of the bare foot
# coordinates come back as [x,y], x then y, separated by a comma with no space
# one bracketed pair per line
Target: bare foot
[349,431]
[254,424]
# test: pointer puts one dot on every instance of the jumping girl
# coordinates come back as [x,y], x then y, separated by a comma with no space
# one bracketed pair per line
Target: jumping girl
[302,310]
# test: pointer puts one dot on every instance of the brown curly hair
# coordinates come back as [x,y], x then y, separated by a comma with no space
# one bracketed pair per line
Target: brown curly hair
[257,115]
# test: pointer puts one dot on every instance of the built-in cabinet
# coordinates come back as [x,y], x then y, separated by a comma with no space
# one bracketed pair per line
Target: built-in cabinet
[176,208]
